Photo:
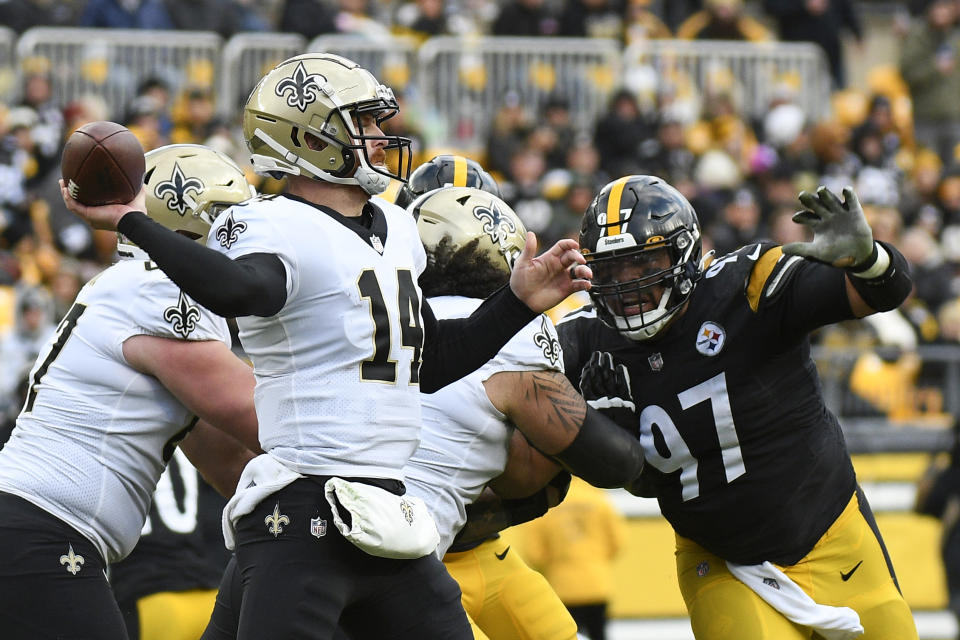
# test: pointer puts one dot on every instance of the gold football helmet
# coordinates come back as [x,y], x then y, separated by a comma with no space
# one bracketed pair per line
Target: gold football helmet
[305,117]
[465,214]
[187,187]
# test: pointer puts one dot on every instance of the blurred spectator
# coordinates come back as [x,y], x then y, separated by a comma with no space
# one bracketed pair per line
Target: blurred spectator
[194,116]
[574,546]
[837,164]
[47,131]
[21,15]
[14,219]
[722,20]
[557,118]
[642,23]
[158,90]
[19,349]
[666,155]
[619,133]
[523,190]
[880,119]
[929,64]
[143,120]
[932,275]
[821,22]
[64,287]
[525,18]
[938,495]
[309,18]
[225,17]
[510,127]
[739,225]
[592,19]
[568,212]
[126,14]
[423,19]
[356,17]
[918,198]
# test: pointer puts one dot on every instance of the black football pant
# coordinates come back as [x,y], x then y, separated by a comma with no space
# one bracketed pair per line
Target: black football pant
[305,580]
[45,590]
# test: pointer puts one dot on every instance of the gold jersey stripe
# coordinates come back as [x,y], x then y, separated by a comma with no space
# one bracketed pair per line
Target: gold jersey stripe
[459,171]
[613,206]
[758,277]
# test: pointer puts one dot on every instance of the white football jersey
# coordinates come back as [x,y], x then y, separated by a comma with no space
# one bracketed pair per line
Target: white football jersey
[337,368]
[95,434]
[464,441]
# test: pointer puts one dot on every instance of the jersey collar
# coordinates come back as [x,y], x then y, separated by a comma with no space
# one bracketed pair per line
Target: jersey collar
[372,213]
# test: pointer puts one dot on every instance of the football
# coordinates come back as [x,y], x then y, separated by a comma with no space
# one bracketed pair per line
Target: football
[102,163]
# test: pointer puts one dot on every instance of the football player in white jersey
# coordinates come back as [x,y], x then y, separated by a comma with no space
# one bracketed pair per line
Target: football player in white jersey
[323,283]
[133,366]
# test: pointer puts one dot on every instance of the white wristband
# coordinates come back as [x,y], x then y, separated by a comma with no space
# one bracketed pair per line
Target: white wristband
[879,266]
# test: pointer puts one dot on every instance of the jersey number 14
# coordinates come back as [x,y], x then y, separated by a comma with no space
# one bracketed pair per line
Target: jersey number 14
[380,367]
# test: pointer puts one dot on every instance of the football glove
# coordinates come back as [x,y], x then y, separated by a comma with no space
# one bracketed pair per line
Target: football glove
[606,388]
[841,235]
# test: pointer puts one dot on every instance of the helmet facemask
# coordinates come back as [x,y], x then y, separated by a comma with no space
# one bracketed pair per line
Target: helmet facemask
[659,275]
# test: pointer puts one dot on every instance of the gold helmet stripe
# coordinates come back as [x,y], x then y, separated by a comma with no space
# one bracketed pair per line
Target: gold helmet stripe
[613,206]
[459,171]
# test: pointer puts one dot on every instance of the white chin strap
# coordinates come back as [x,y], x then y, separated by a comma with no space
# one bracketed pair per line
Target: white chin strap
[654,321]
[368,179]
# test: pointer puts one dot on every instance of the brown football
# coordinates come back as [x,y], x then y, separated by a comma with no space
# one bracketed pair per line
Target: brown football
[102,163]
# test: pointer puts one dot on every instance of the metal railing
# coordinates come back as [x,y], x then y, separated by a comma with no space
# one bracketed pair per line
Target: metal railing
[8,69]
[111,63]
[392,60]
[246,57]
[464,80]
[751,71]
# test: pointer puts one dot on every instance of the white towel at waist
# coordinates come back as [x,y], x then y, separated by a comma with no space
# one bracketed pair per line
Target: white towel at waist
[783,594]
[261,477]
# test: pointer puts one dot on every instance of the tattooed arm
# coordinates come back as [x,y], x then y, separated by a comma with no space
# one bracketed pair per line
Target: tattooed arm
[557,421]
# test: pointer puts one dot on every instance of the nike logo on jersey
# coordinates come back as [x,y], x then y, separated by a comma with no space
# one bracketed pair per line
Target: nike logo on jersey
[755,254]
[501,556]
[846,576]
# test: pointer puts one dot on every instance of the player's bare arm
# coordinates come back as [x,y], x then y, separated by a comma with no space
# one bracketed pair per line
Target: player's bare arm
[557,421]
[219,457]
[526,472]
[205,376]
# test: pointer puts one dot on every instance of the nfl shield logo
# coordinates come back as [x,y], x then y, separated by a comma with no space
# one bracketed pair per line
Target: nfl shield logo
[710,338]
[703,569]
[656,362]
[318,527]
[376,244]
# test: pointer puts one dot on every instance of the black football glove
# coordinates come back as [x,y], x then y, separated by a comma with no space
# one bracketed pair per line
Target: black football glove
[606,388]
[841,235]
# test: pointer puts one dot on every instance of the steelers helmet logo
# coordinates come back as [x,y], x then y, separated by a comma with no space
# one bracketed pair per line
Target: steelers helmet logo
[710,338]
[303,88]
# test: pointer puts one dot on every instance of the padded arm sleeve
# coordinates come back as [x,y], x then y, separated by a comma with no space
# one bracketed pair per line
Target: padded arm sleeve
[603,454]
[252,285]
[453,348]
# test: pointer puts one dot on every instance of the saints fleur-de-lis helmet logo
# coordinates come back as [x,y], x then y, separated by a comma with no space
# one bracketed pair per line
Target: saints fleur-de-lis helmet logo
[176,191]
[183,317]
[495,224]
[72,561]
[548,343]
[303,88]
[230,231]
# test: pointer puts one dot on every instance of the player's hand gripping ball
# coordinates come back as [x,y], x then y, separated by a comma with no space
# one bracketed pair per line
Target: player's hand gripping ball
[102,163]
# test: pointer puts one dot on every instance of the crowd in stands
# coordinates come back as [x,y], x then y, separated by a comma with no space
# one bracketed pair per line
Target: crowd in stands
[896,140]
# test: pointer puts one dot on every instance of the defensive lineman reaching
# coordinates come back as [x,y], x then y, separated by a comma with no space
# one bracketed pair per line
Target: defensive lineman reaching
[112,394]
[748,465]
[323,282]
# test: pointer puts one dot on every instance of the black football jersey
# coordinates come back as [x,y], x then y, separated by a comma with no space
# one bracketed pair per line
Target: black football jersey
[173,553]
[742,454]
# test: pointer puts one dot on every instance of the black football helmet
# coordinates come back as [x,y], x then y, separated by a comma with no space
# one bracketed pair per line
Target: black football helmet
[446,171]
[638,234]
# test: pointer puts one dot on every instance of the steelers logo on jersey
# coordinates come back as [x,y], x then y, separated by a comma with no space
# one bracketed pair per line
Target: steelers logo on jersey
[710,338]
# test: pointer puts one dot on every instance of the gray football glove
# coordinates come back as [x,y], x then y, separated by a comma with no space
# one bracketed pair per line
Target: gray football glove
[841,235]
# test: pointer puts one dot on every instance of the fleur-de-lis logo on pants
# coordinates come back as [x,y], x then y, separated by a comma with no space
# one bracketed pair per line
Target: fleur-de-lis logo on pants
[407,511]
[178,187]
[304,87]
[73,561]
[275,521]
[547,342]
[230,231]
[183,317]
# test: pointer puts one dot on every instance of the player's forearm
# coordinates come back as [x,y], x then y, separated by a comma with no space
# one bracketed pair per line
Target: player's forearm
[250,286]
[454,348]
[882,284]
